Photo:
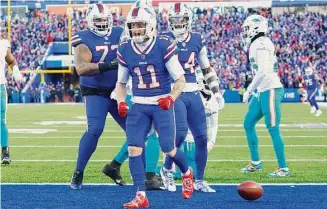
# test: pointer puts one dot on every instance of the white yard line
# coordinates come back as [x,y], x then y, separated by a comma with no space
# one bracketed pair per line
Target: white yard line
[215,160]
[111,184]
[119,146]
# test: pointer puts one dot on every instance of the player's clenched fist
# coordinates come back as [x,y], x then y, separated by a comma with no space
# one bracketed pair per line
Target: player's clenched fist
[166,103]
[122,109]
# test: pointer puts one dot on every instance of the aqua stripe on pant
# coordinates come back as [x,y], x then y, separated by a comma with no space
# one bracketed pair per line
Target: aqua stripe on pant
[4,129]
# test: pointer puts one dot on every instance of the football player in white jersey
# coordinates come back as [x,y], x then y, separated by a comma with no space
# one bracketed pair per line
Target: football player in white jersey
[6,57]
[267,101]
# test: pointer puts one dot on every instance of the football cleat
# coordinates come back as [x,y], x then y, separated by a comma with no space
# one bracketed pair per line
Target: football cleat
[280,172]
[140,201]
[153,182]
[313,110]
[77,180]
[318,113]
[187,187]
[203,186]
[5,158]
[168,179]
[252,168]
[113,172]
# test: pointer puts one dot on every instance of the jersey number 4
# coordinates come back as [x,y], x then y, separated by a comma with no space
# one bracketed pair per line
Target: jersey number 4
[189,65]
[154,83]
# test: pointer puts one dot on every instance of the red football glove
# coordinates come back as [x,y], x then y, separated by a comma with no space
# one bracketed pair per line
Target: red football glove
[122,109]
[166,103]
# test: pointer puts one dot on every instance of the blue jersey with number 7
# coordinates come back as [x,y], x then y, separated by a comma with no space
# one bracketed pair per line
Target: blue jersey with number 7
[150,76]
[104,49]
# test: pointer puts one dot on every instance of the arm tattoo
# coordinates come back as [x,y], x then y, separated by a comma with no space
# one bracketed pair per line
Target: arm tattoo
[178,87]
[82,59]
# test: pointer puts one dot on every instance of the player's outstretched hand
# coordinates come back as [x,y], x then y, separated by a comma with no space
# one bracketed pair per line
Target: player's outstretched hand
[210,145]
[122,109]
[166,103]
[221,101]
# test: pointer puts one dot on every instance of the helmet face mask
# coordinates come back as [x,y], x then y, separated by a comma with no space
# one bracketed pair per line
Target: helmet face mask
[308,71]
[179,20]
[99,19]
[141,24]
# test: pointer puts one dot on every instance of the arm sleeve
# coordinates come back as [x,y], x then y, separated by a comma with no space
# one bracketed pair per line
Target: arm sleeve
[123,74]
[76,40]
[174,68]
[203,58]
[263,61]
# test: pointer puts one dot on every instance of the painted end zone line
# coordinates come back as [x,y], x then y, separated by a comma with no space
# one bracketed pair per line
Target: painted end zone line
[221,160]
[215,184]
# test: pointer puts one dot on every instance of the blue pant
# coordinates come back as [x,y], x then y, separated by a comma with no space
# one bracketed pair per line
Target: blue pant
[190,112]
[139,122]
[312,98]
[96,108]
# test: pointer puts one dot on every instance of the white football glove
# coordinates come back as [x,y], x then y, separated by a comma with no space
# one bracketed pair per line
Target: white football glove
[17,75]
[246,97]
[221,101]
[210,145]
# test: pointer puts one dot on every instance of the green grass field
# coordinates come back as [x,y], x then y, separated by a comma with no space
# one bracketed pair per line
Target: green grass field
[50,157]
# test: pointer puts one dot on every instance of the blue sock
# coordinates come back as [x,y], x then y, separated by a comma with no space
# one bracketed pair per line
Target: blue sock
[87,145]
[180,160]
[122,154]
[314,103]
[152,153]
[136,167]
[201,156]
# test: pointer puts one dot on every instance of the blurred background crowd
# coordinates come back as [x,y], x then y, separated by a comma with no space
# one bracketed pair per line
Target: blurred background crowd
[300,40]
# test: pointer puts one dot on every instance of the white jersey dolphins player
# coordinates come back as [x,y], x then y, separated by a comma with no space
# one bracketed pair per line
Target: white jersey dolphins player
[6,57]
[267,102]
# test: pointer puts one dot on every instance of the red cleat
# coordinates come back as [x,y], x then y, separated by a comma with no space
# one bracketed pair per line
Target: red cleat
[187,188]
[139,201]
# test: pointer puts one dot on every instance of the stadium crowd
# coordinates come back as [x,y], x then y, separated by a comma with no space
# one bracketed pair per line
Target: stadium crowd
[300,40]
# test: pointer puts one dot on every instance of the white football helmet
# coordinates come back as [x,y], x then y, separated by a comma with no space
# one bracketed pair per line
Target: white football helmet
[252,26]
[144,3]
[141,15]
[308,71]
[180,19]
[99,19]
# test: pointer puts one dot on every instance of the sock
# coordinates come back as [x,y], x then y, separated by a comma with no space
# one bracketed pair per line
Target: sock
[180,160]
[5,149]
[278,146]
[122,154]
[141,193]
[137,171]
[152,153]
[189,150]
[115,164]
[168,164]
[256,162]
[87,145]
[201,156]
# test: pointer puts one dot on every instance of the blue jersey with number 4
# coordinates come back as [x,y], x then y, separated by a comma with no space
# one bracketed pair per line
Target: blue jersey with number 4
[150,76]
[310,82]
[189,51]
[103,49]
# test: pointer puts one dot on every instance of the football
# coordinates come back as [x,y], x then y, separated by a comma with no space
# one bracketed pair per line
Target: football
[250,190]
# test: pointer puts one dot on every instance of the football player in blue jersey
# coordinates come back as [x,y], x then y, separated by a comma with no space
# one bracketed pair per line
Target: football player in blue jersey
[95,55]
[153,181]
[189,109]
[311,81]
[151,61]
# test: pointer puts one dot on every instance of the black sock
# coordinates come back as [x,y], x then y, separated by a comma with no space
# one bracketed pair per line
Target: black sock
[115,164]
[5,149]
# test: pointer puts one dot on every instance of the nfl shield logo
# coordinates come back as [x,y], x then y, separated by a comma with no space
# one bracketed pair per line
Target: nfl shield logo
[183,44]
[143,56]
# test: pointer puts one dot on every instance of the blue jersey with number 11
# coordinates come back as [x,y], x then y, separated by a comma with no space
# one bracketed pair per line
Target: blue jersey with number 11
[150,76]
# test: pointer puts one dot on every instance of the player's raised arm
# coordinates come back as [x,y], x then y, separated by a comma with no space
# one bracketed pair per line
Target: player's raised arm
[83,65]
[177,73]
[11,61]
